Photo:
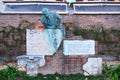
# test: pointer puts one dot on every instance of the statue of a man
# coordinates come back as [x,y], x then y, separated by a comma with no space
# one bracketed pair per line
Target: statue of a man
[52,20]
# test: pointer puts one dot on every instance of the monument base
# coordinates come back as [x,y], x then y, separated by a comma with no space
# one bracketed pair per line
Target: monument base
[31,63]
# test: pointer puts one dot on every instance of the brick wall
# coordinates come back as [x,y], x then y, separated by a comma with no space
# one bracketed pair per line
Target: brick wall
[14,20]
[89,20]
[63,64]
[58,62]
[80,20]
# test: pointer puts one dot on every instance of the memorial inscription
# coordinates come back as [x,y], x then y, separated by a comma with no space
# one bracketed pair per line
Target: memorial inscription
[45,42]
[77,47]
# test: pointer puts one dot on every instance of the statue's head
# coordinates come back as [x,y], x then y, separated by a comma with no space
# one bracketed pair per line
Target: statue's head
[45,11]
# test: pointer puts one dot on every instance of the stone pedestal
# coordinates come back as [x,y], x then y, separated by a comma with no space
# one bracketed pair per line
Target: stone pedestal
[31,63]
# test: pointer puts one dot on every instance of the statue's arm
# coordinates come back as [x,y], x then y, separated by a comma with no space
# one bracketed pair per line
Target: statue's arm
[59,19]
[42,20]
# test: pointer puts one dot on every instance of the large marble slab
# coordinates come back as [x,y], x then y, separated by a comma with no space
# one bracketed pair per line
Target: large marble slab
[93,66]
[79,47]
[43,42]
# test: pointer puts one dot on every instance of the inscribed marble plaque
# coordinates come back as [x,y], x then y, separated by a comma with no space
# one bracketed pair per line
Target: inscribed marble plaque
[43,42]
[78,47]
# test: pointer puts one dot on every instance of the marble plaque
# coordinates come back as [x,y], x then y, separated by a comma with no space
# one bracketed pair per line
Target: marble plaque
[43,42]
[79,47]
[93,66]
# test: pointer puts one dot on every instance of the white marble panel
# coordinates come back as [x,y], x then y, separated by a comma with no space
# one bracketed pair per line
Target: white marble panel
[43,42]
[79,47]
[93,66]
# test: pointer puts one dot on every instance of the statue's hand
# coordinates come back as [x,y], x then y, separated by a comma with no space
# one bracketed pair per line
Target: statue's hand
[58,22]
[39,26]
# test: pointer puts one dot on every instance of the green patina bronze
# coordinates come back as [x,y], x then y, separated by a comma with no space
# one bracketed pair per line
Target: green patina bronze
[52,20]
